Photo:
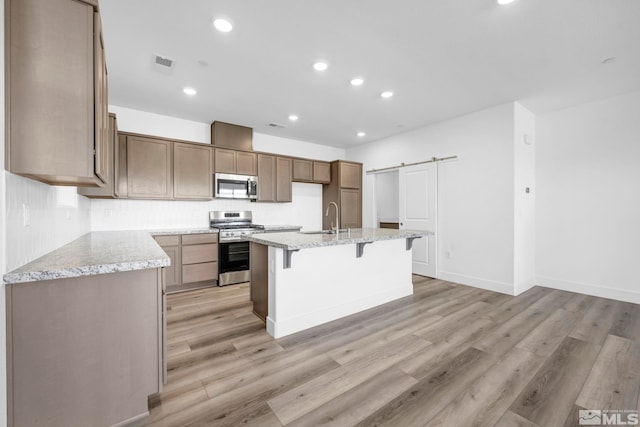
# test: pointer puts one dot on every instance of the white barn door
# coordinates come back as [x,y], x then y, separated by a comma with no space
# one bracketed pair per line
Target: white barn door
[418,187]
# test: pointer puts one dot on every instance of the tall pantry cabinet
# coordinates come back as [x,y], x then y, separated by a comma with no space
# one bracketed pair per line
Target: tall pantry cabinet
[56,88]
[345,189]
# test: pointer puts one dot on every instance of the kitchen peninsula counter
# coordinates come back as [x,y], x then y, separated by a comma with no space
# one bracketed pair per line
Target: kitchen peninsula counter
[301,280]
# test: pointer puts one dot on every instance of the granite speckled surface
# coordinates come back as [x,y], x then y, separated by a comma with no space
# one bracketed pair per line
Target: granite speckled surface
[293,241]
[283,228]
[171,231]
[94,253]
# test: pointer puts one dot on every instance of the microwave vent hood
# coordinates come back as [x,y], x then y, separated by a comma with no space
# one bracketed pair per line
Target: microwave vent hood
[228,135]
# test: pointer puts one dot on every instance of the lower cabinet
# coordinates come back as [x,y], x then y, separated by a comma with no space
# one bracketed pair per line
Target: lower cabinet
[84,351]
[194,260]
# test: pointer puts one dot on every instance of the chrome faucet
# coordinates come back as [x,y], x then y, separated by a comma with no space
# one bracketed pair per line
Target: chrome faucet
[337,229]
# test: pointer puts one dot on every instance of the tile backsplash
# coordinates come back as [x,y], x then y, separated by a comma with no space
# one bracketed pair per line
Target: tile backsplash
[41,218]
[305,210]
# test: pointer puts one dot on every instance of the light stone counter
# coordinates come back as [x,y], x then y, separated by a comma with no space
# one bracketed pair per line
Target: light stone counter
[94,253]
[295,241]
[172,231]
[281,228]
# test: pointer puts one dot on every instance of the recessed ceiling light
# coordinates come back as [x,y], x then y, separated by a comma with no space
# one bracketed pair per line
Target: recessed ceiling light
[222,25]
[320,66]
[189,91]
[503,2]
[361,134]
[386,94]
[357,81]
[293,117]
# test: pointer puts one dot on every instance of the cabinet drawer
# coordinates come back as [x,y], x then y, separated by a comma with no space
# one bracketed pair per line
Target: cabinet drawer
[196,239]
[199,272]
[168,240]
[199,253]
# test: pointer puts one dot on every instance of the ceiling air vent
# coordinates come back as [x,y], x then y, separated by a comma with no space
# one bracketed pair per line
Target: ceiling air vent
[276,125]
[163,64]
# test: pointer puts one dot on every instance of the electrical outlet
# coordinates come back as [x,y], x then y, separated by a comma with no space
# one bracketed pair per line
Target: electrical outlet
[26,216]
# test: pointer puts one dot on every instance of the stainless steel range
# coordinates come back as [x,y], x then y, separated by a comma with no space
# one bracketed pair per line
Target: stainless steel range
[233,252]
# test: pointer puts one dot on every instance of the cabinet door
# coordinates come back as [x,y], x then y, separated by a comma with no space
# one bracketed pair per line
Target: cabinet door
[302,170]
[225,161]
[192,174]
[321,172]
[111,151]
[284,177]
[266,178]
[101,120]
[50,91]
[246,163]
[350,175]
[173,272]
[350,209]
[149,168]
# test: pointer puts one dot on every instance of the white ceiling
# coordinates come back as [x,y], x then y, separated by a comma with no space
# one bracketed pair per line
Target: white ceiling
[441,58]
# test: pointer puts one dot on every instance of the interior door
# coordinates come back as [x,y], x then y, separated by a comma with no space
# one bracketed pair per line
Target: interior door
[418,186]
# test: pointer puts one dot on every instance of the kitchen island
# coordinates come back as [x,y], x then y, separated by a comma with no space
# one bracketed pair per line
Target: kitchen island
[301,280]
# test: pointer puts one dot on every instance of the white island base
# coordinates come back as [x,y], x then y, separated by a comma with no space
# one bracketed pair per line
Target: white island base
[330,282]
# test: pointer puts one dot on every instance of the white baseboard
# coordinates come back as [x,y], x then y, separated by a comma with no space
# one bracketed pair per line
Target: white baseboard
[589,289]
[490,285]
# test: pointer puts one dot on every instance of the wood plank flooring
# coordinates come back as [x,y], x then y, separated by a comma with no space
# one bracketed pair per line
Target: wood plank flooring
[450,355]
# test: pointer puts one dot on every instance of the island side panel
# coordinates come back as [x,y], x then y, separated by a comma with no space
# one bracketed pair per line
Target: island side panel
[84,350]
[327,283]
[259,289]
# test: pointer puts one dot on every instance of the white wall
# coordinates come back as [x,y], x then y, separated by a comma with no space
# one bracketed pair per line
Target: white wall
[588,198]
[387,197]
[305,210]
[524,203]
[475,192]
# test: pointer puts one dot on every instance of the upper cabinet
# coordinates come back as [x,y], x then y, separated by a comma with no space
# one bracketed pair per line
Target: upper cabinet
[345,189]
[192,172]
[305,170]
[149,168]
[274,178]
[109,156]
[56,89]
[231,136]
[236,162]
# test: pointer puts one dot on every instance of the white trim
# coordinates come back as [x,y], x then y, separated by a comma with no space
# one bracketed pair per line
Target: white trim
[589,289]
[490,285]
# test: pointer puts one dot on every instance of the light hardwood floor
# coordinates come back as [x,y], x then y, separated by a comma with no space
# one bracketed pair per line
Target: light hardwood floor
[449,355]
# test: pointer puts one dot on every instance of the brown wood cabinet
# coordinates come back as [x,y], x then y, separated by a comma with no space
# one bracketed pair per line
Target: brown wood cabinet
[321,172]
[56,115]
[306,170]
[235,162]
[231,136]
[149,168]
[259,286]
[85,351]
[192,172]
[345,189]
[194,260]
[274,178]
[110,155]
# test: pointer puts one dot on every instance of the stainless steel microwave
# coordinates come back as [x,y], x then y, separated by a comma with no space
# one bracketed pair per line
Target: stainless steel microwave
[227,186]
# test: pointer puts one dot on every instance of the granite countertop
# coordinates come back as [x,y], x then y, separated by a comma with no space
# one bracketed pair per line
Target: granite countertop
[294,241]
[171,231]
[274,228]
[94,253]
